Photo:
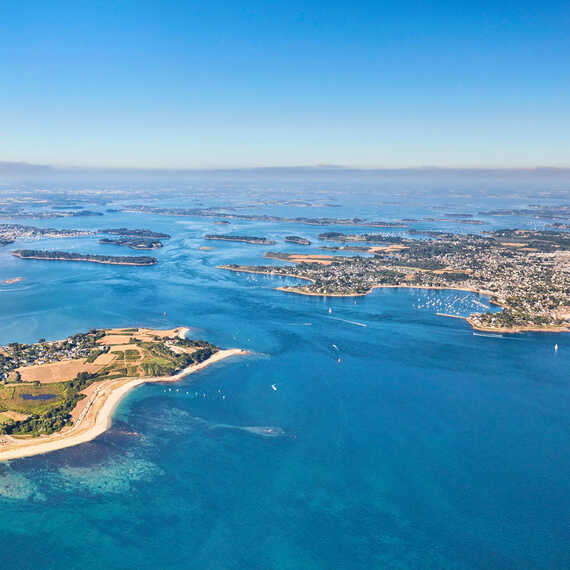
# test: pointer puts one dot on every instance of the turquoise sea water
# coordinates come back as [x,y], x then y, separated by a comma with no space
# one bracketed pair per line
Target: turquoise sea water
[426,447]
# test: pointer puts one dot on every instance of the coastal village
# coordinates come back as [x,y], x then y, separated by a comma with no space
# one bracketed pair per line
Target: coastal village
[526,272]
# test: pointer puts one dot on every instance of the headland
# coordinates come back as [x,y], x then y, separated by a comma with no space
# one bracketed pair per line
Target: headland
[68,395]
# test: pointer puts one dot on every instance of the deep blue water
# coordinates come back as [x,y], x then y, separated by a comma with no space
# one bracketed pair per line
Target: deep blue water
[426,447]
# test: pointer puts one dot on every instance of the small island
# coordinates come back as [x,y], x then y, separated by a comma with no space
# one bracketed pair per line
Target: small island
[56,394]
[133,243]
[297,240]
[253,240]
[44,255]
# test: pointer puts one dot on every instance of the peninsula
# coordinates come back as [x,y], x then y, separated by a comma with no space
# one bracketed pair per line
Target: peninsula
[59,394]
[526,272]
[44,255]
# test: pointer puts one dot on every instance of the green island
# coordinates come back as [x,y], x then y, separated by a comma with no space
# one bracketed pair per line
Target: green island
[136,233]
[526,272]
[45,255]
[244,239]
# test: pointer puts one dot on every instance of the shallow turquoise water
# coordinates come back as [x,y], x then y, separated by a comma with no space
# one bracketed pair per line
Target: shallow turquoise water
[426,447]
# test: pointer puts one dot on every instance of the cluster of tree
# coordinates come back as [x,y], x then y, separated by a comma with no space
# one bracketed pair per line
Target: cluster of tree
[135,233]
[57,417]
[247,239]
[133,243]
[68,256]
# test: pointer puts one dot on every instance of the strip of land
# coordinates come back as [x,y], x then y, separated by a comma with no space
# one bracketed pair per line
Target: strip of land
[253,240]
[44,255]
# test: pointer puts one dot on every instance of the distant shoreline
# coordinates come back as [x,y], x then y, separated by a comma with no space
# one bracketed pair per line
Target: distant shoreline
[99,413]
[238,270]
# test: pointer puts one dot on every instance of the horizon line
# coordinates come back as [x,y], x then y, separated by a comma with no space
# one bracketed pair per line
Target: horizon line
[23,167]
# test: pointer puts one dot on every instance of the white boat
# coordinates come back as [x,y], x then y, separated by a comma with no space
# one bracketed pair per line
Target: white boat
[274,387]
[555,348]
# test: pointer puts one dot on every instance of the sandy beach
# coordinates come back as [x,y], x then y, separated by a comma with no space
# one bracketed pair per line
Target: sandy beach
[96,412]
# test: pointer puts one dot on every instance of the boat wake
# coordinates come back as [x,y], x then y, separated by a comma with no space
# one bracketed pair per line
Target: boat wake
[489,335]
[263,431]
[349,322]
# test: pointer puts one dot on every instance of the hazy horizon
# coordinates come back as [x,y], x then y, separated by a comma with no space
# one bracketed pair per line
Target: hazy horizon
[146,85]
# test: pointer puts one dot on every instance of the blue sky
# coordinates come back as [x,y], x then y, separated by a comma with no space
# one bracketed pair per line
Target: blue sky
[226,84]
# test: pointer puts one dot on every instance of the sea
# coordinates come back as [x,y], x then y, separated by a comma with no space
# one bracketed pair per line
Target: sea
[401,439]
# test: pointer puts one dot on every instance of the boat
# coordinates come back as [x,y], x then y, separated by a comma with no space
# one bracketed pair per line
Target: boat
[555,348]
[274,387]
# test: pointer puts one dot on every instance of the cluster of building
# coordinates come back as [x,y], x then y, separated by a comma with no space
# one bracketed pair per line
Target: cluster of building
[10,232]
[16,355]
[530,280]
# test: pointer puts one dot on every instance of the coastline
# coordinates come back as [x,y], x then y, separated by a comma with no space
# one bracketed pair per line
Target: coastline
[299,291]
[97,414]
[474,326]
[270,273]
[513,330]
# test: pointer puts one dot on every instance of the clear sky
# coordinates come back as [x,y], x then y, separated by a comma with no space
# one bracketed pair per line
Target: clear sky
[223,84]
